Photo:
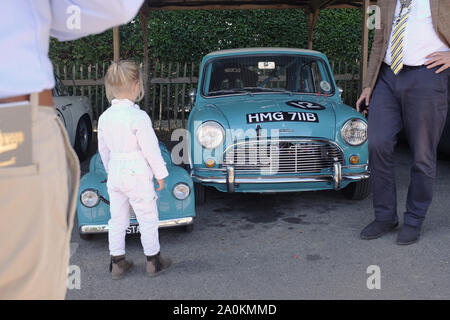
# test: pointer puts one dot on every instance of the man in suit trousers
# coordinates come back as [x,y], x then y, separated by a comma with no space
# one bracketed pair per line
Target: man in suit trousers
[407,86]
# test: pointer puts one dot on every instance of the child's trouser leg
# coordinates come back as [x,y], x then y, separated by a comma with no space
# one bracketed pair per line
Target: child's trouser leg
[146,210]
[119,222]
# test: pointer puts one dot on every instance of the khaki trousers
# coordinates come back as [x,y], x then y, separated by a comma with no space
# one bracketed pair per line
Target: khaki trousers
[37,207]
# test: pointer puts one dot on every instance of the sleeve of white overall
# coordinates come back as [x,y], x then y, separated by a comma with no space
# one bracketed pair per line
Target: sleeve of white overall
[148,142]
[73,19]
[102,147]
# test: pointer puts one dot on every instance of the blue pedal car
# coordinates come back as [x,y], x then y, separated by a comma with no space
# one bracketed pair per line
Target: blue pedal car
[272,120]
[176,203]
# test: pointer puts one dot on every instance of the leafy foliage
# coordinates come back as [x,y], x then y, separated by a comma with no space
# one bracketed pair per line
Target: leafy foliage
[182,36]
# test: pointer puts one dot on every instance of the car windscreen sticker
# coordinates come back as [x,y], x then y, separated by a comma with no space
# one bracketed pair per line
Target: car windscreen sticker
[282,116]
[305,105]
[266,65]
[232,70]
[325,85]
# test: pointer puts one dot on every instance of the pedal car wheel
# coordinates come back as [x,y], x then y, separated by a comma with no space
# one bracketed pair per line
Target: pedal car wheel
[199,191]
[189,228]
[86,236]
[357,190]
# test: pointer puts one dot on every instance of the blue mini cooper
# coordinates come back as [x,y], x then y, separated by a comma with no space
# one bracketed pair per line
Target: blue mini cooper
[176,204]
[272,120]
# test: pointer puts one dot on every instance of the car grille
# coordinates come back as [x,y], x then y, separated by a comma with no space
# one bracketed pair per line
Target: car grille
[283,156]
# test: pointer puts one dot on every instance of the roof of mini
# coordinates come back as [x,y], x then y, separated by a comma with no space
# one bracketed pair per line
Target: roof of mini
[263,49]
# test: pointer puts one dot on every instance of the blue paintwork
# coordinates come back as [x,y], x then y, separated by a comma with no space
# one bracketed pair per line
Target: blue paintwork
[169,207]
[230,112]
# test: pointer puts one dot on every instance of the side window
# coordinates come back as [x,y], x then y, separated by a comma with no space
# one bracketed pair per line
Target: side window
[306,84]
[316,77]
[313,78]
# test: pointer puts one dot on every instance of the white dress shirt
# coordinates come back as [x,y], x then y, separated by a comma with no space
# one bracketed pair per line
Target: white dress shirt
[25,29]
[126,129]
[420,38]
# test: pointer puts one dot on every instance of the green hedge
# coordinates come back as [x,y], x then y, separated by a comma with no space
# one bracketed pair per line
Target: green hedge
[181,36]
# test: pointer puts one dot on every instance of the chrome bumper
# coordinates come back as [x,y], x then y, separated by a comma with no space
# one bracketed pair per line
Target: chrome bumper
[231,180]
[103,228]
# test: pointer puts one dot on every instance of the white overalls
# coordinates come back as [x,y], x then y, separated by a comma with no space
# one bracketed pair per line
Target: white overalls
[130,153]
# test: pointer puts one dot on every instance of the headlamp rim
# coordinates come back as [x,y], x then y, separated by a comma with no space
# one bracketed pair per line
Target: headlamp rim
[347,123]
[90,190]
[181,183]
[217,125]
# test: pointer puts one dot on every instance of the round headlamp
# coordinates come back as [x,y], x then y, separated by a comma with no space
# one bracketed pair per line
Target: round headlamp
[210,134]
[181,191]
[89,198]
[354,132]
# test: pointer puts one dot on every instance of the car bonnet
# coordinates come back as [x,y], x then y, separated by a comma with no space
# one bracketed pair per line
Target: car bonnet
[290,115]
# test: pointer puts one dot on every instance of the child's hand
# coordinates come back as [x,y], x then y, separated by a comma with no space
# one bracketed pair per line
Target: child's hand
[161,184]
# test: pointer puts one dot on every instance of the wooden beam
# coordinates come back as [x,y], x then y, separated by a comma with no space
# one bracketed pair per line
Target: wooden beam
[150,5]
[145,76]
[245,7]
[116,43]
[364,41]
[321,4]
[313,16]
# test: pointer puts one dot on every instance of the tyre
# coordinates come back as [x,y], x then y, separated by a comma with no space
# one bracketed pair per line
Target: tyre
[86,236]
[83,137]
[199,192]
[357,190]
[189,228]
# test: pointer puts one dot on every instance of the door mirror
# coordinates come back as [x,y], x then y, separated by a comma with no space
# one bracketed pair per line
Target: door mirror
[340,91]
[192,95]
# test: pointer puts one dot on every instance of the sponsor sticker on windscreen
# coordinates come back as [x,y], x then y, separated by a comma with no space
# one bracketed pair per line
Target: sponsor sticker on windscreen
[282,116]
[232,70]
[266,65]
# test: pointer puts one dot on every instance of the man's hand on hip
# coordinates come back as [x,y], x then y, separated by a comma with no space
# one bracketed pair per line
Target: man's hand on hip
[365,99]
[437,59]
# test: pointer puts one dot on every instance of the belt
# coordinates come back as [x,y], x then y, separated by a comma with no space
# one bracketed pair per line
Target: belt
[45,98]
[126,155]
[406,67]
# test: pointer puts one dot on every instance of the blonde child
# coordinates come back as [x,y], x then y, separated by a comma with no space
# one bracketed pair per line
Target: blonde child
[130,153]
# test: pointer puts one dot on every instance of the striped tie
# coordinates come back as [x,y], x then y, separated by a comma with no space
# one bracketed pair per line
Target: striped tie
[397,38]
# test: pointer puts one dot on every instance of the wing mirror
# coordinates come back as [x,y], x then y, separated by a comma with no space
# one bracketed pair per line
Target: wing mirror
[340,91]
[192,95]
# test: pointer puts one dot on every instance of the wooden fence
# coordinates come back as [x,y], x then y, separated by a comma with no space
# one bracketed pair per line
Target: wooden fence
[167,96]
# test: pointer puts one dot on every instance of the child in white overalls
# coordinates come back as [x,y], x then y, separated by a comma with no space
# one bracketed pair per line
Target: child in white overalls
[130,153]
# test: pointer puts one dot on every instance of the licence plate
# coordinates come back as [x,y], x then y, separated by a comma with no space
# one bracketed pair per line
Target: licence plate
[282,116]
[132,229]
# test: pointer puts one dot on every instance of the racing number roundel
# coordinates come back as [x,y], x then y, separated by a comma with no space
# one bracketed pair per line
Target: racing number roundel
[305,105]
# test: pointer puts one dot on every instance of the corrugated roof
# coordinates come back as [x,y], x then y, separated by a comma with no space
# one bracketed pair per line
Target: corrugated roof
[265,49]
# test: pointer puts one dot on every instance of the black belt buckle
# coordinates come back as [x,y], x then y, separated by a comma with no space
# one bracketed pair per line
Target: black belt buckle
[406,67]
[15,135]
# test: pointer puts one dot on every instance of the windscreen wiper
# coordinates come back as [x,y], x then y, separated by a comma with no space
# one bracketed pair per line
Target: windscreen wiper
[227,91]
[262,89]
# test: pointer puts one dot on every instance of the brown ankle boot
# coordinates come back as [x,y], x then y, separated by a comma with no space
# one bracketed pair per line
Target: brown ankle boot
[119,266]
[156,265]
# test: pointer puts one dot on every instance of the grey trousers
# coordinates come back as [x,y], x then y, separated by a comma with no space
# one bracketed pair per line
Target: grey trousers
[415,100]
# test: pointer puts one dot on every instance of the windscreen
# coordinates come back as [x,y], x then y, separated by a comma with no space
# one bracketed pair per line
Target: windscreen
[266,74]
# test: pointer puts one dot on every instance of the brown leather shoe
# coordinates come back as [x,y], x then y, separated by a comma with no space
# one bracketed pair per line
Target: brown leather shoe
[119,266]
[157,265]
